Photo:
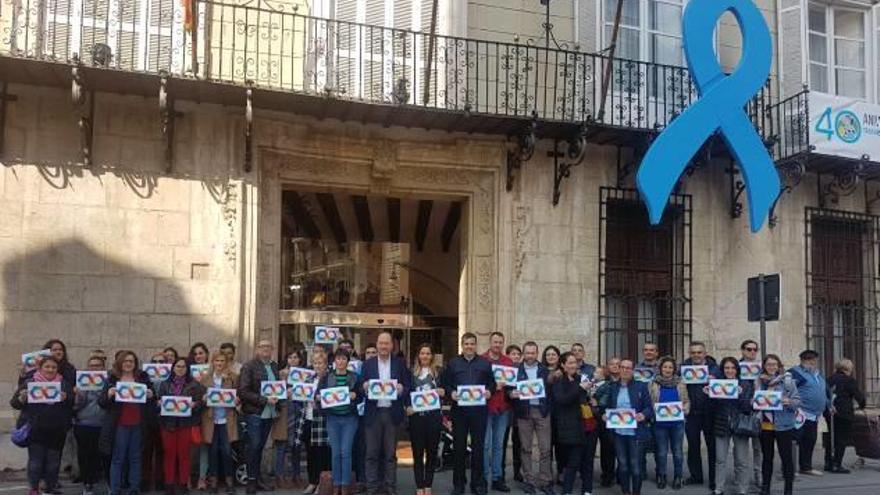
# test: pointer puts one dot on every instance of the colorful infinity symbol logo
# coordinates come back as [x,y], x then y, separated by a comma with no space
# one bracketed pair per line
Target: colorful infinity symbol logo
[272,389]
[643,373]
[131,392]
[32,359]
[382,389]
[767,400]
[44,392]
[531,389]
[426,399]
[724,389]
[471,394]
[175,405]
[325,334]
[623,418]
[505,375]
[750,369]
[333,396]
[90,380]
[158,372]
[300,375]
[695,374]
[668,411]
[302,390]
[221,396]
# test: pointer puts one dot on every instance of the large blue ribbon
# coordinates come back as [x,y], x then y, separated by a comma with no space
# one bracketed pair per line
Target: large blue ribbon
[719,108]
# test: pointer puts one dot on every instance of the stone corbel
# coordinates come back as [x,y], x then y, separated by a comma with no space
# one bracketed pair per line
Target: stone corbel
[792,173]
[86,121]
[563,162]
[249,127]
[521,148]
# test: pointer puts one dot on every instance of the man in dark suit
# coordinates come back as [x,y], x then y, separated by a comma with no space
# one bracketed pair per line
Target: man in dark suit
[384,416]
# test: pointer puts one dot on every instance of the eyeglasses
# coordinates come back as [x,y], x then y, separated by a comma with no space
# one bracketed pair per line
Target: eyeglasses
[752,349]
[158,361]
[128,361]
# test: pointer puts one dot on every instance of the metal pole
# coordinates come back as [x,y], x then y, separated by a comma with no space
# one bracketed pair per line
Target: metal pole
[612,48]
[761,290]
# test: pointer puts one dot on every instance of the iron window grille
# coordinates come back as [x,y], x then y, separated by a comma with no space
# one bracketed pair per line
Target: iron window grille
[841,292]
[645,276]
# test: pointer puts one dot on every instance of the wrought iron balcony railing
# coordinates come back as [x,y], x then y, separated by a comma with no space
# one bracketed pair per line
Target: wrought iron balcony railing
[275,46]
[790,134]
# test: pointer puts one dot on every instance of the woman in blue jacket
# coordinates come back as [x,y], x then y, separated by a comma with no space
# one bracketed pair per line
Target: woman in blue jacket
[342,421]
[627,393]
[778,426]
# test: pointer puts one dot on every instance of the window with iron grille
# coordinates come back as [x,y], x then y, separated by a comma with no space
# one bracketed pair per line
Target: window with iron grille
[842,286]
[644,276]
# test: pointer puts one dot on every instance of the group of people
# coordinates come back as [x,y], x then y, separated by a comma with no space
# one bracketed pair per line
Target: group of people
[355,442]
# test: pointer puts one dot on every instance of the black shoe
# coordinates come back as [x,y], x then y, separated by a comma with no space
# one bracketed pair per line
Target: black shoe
[529,489]
[548,490]
[693,481]
[264,488]
[765,489]
[457,491]
[183,489]
[661,482]
[252,487]
[518,478]
[789,488]
[500,486]
[606,482]
[840,470]
[676,483]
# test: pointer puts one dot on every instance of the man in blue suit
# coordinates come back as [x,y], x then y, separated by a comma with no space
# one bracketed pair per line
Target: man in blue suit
[384,416]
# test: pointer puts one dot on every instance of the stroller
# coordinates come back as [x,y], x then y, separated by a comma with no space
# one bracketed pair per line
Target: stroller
[238,450]
[447,454]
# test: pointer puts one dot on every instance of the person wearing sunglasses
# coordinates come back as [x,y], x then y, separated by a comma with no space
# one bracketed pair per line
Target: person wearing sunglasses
[749,354]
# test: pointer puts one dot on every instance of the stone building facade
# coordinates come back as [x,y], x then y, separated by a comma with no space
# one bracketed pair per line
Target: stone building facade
[133,250]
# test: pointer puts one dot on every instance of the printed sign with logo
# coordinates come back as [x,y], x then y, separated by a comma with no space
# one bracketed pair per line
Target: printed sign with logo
[668,411]
[221,397]
[198,371]
[621,419]
[382,389]
[43,392]
[276,389]
[327,335]
[505,375]
[30,360]
[298,375]
[767,400]
[425,400]
[335,396]
[644,374]
[355,366]
[133,392]
[90,380]
[157,372]
[303,391]
[841,126]
[175,405]
[799,419]
[692,375]
[723,389]
[531,389]
[749,370]
[471,395]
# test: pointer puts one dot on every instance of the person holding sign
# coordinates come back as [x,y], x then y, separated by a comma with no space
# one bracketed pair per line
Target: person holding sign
[90,417]
[777,426]
[259,411]
[749,359]
[49,422]
[342,420]
[424,426]
[667,387]
[198,361]
[125,439]
[499,417]
[533,422]
[626,393]
[383,416]
[726,413]
[468,369]
[176,431]
[569,395]
[698,422]
[220,424]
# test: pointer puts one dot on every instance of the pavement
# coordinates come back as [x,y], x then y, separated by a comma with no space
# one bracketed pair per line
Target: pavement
[864,480]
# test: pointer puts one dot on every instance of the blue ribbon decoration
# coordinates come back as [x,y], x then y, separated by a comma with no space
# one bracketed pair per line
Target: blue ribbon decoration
[719,108]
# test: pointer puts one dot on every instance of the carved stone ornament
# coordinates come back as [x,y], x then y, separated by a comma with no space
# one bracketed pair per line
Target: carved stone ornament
[384,162]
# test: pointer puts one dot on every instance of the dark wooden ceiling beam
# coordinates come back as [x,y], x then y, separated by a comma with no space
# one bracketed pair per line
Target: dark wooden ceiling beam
[453,218]
[362,213]
[422,220]
[295,207]
[331,213]
[393,208]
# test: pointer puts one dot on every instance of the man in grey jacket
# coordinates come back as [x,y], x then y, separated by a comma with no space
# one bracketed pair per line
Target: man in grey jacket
[259,412]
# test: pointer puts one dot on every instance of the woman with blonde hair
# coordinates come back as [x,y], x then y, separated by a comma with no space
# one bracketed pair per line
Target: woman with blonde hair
[845,389]
[220,424]
[424,427]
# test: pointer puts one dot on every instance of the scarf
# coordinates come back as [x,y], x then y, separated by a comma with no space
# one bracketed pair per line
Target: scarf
[670,382]
[177,383]
[38,377]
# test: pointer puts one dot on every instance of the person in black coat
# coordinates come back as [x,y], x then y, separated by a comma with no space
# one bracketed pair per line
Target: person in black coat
[845,390]
[176,431]
[49,425]
[569,393]
[724,412]
[258,412]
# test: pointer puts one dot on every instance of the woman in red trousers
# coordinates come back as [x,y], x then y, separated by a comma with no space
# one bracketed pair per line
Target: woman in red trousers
[177,431]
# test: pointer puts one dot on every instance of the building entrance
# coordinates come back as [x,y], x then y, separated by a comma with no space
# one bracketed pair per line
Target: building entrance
[366,263]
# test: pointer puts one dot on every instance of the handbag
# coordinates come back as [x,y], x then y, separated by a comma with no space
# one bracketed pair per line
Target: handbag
[196,433]
[21,434]
[746,425]
[588,418]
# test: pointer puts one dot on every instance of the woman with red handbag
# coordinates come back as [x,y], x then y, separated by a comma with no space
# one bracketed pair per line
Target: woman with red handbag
[577,436]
